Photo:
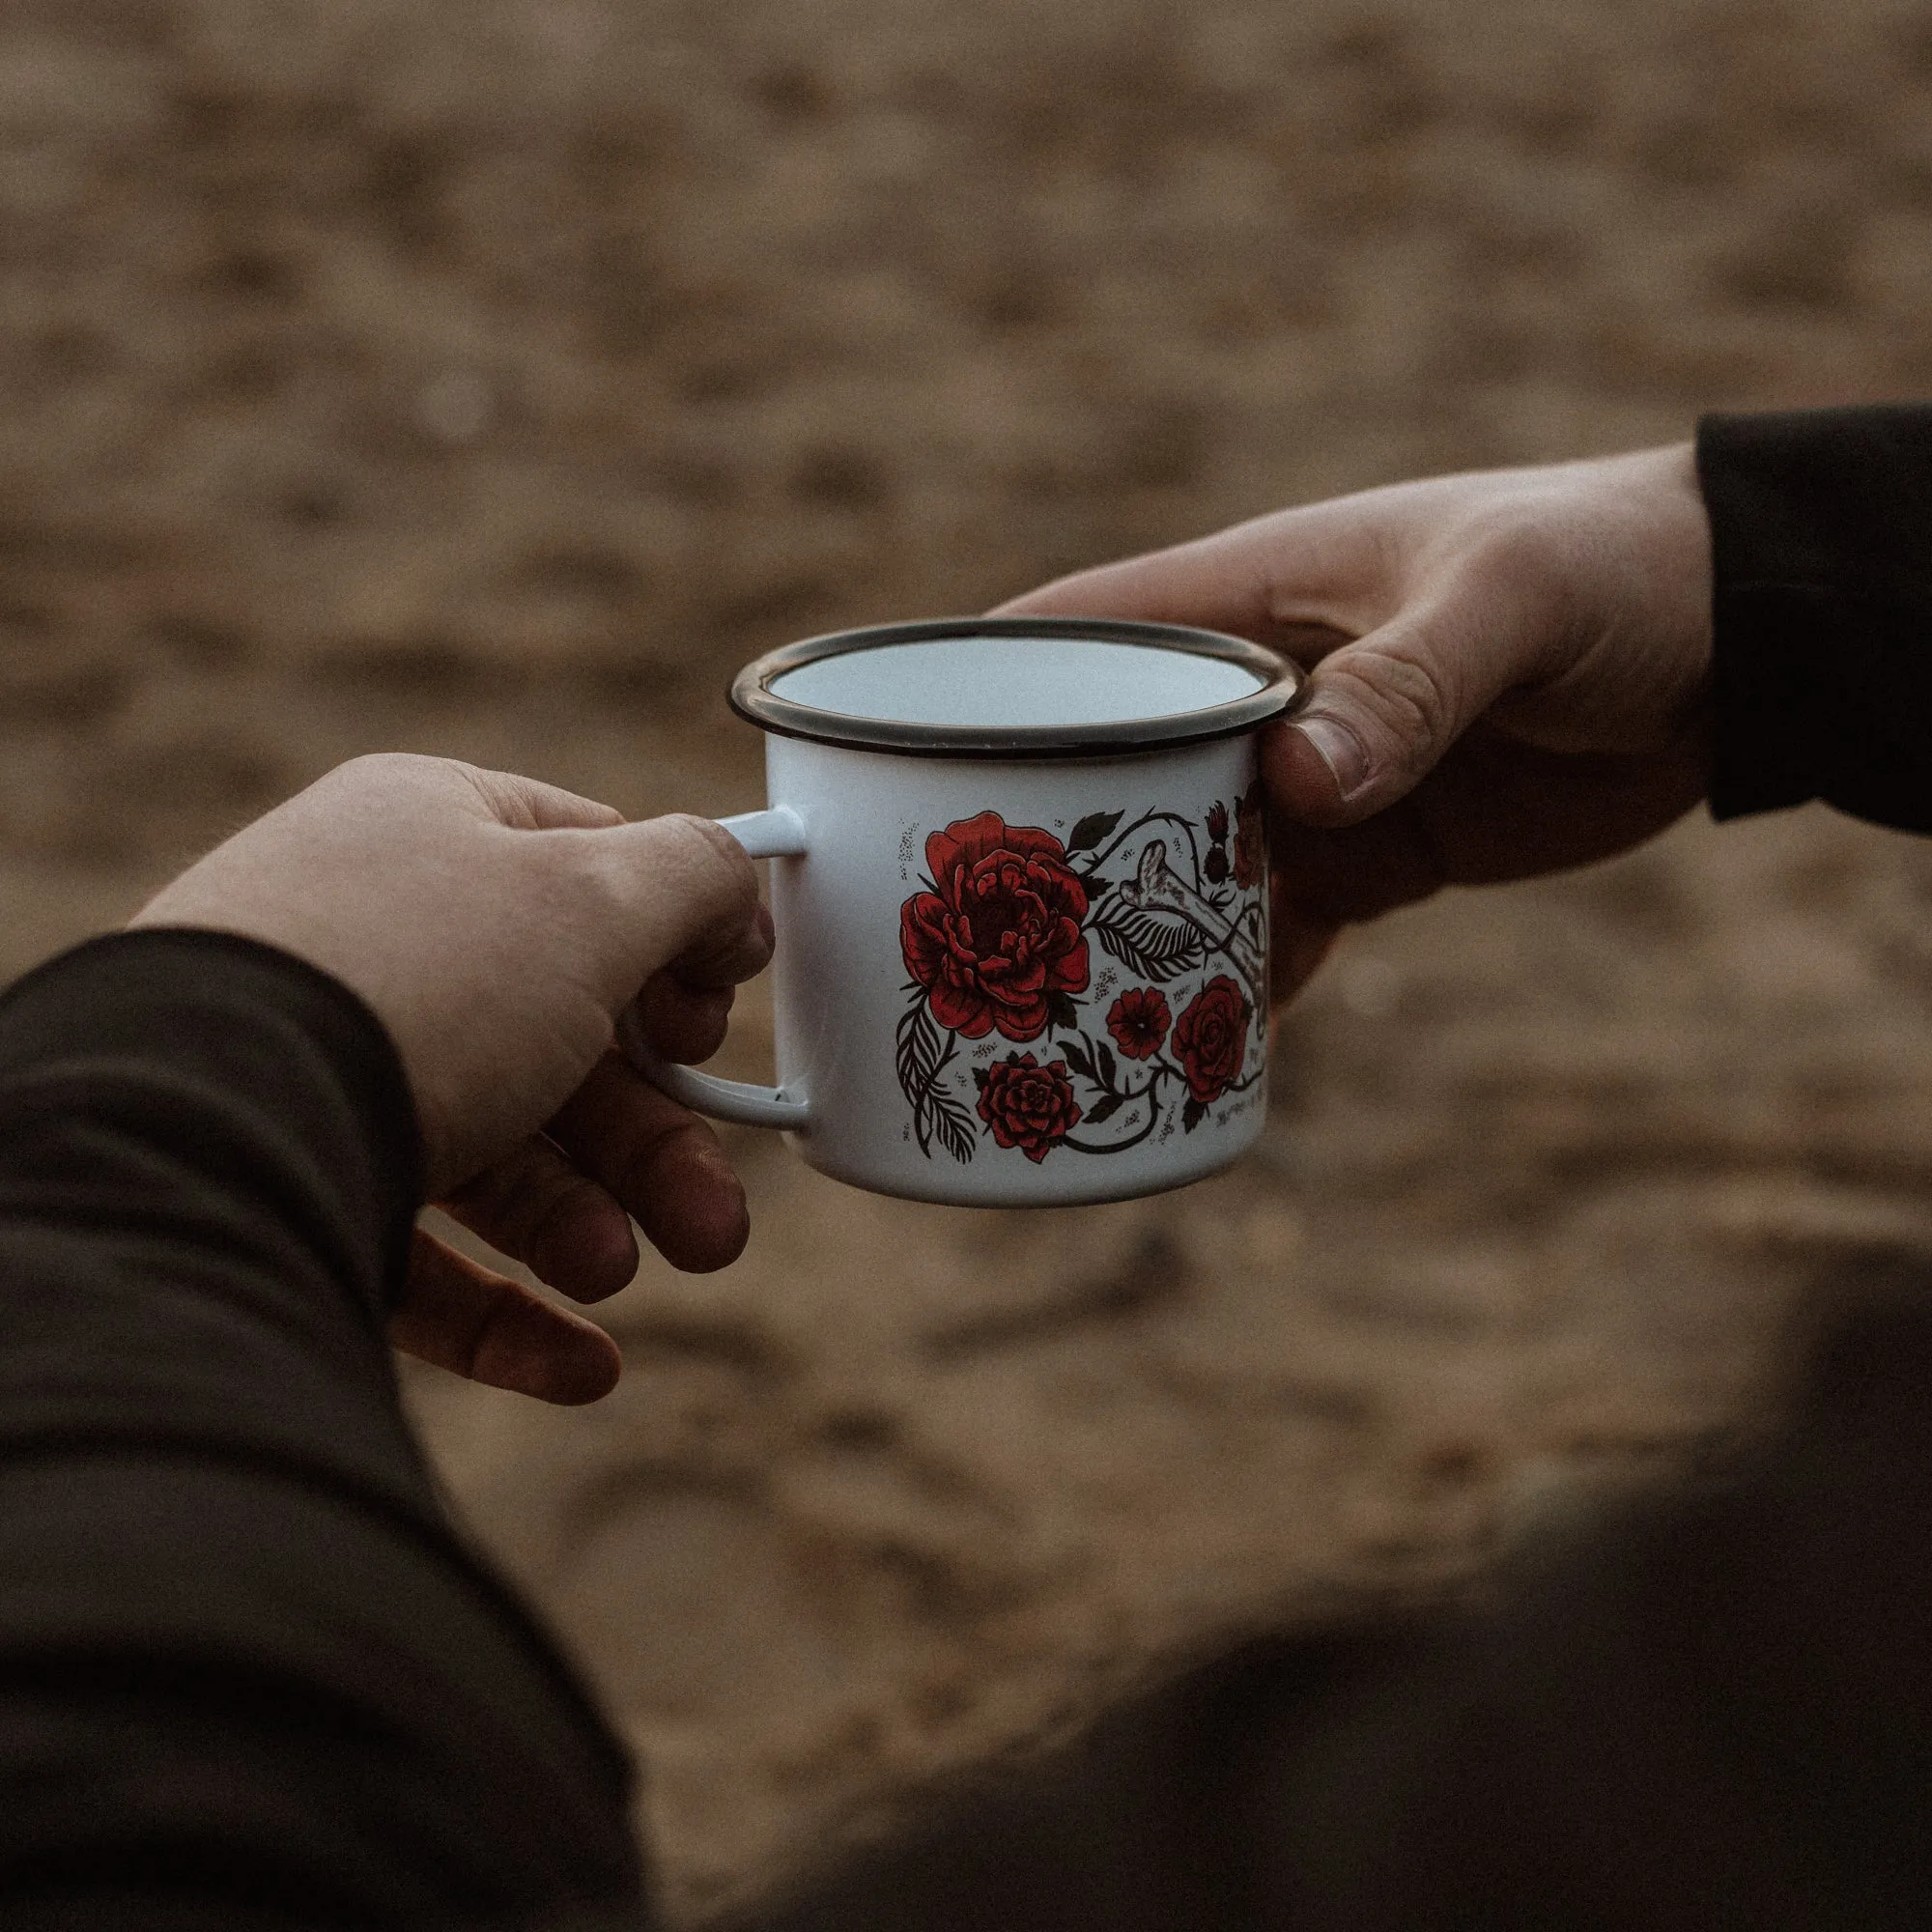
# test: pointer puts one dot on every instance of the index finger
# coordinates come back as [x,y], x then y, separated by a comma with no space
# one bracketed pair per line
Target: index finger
[727,954]
[1301,580]
[664,1165]
[678,892]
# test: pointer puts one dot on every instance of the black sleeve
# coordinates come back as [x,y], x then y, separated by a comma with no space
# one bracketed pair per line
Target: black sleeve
[1711,1713]
[1822,545]
[249,1674]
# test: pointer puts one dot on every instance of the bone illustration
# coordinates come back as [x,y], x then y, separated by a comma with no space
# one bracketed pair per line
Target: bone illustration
[1156,886]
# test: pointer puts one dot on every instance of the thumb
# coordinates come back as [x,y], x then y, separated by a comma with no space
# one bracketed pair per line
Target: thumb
[1382,712]
[683,894]
[1400,671]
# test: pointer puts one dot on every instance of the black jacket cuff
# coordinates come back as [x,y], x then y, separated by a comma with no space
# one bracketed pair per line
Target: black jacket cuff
[209,1169]
[1821,528]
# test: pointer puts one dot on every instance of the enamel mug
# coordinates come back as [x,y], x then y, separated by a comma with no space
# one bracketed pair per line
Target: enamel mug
[1019,880]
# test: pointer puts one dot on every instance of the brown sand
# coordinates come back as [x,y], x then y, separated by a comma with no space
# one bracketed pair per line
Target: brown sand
[492,379]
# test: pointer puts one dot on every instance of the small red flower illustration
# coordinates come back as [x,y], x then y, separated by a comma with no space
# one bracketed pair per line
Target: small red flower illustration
[1210,1039]
[1216,865]
[1027,1105]
[1139,1021]
[1217,822]
[1001,931]
[1250,838]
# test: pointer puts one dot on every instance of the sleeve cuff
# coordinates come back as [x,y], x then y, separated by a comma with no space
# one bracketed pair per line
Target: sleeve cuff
[252,1018]
[1821,528]
[208,1174]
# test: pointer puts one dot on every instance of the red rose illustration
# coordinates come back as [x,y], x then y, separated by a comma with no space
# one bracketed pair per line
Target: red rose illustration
[1001,932]
[1138,1021]
[1028,1106]
[1250,838]
[1217,821]
[1210,1039]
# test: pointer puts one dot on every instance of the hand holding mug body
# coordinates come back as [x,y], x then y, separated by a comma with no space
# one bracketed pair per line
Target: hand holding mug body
[1509,674]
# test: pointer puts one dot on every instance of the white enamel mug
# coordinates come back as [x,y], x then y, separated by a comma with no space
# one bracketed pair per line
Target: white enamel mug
[1019,882]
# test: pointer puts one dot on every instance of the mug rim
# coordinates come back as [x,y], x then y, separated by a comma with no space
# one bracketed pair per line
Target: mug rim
[751,697]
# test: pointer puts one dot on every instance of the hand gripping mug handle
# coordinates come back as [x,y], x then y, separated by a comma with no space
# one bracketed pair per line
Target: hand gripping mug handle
[777,834]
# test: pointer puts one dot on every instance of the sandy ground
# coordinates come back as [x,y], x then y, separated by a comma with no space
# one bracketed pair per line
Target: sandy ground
[494,378]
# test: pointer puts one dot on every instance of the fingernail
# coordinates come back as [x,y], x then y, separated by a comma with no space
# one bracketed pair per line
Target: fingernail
[1338,748]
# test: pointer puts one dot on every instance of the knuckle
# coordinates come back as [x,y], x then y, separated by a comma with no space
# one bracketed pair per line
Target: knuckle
[643,1160]
[379,766]
[1512,553]
[552,1206]
[1409,700]
[527,1199]
[690,873]
[710,847]
[707,832]
[1522,572]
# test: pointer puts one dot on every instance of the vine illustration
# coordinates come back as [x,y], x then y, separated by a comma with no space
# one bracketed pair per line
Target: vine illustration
[999,947]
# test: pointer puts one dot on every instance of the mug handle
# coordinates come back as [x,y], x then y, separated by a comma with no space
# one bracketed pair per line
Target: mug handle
[777,834]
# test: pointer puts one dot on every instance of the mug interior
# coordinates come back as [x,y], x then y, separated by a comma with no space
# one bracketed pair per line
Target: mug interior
[999,682]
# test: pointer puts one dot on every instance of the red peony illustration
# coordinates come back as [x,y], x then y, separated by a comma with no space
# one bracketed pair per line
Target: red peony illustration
[1028,1106]
[1139,1020]
[1250,838]
[1001,932]
[1210,1039]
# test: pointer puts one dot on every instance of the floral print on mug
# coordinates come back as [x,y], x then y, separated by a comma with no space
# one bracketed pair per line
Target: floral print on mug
[1080,996]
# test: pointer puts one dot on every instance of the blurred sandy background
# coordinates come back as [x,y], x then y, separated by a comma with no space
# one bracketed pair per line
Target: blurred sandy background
[494,378]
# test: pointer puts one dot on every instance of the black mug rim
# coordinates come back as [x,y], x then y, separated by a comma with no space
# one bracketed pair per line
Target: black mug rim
[752,698]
